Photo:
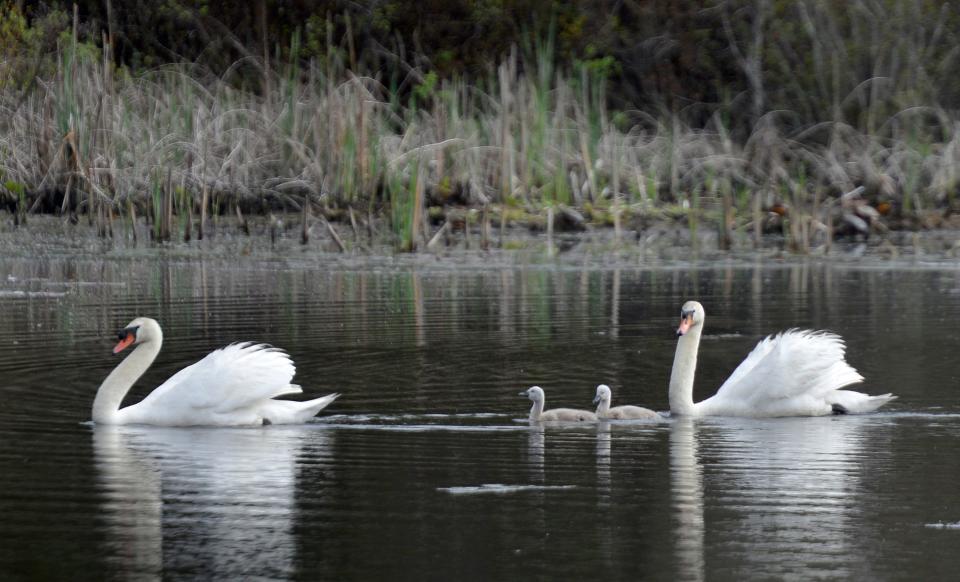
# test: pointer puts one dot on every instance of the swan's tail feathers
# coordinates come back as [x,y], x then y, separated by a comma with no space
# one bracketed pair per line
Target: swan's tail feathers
[312,407]
[849,402]
[874,402]
[293,412]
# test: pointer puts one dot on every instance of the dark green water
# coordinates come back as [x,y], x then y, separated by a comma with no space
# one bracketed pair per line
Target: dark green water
[422,470]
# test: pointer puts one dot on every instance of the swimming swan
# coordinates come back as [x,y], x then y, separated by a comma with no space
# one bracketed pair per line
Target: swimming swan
[537,413]
[627,412]
[795,373]
[232,386]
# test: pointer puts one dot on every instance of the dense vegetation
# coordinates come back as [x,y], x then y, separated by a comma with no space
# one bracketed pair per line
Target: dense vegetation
[623,109]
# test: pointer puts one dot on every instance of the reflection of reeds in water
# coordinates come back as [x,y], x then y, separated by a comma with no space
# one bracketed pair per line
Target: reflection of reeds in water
[181,140]
[615,305]
[419,325]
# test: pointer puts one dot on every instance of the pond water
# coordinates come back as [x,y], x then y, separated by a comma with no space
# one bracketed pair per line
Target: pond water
[425,469]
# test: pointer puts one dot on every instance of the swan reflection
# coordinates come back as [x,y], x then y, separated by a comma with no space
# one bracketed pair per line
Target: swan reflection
[201,501]
[786,485]
[603,462]
[686,479]
[536,441]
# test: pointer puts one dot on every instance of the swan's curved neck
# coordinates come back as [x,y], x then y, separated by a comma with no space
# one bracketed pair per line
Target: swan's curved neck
[604,406]
[110,395]
[684,367]
[536,410]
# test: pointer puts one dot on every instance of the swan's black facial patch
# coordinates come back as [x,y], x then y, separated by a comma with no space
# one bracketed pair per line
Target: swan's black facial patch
[122,335]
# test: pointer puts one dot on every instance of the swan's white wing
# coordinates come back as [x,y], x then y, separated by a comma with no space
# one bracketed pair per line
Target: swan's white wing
[738,384]
[789,364]
[234,377]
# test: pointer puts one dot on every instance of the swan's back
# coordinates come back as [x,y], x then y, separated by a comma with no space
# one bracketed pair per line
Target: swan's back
[568,414]
[795,373]
[624,412]
[629,412]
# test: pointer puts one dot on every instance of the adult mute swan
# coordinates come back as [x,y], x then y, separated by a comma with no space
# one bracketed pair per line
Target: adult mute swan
[537,413]
[626,412]
[232,386]
[795,373]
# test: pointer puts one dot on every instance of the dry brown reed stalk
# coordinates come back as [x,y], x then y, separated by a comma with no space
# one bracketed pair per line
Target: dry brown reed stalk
[531,135]
[132,212]
[485,227]
[244,225]
[204,203]
[166,219]
[418,205]
[334,235]
[439,235]
[305,221]
[550,247]
[188,225]
[353,225]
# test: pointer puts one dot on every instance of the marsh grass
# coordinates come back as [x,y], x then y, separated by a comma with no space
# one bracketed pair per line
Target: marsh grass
[180,141]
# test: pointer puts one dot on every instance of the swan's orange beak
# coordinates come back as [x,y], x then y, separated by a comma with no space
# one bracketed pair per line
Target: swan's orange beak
[686,320]
[125,341]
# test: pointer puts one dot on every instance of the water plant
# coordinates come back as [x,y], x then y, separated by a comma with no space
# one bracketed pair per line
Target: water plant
[181,140]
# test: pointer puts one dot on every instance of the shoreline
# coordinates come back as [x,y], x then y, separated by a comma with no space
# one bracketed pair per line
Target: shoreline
[279,237]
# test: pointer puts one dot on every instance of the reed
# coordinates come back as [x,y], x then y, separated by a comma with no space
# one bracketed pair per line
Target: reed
[179,139]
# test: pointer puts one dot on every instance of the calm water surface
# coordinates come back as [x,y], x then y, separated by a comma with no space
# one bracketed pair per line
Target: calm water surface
[424,468]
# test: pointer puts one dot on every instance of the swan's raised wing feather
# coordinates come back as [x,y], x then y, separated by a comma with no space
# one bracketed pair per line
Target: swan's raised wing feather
[759,356]
[791,363]
[231,378]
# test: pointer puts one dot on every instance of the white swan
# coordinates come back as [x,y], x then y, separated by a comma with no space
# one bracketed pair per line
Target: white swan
[537,413]
[795,373]
[627,412]
[232,386]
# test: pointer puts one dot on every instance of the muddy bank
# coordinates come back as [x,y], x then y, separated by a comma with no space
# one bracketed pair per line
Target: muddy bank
[469,243]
